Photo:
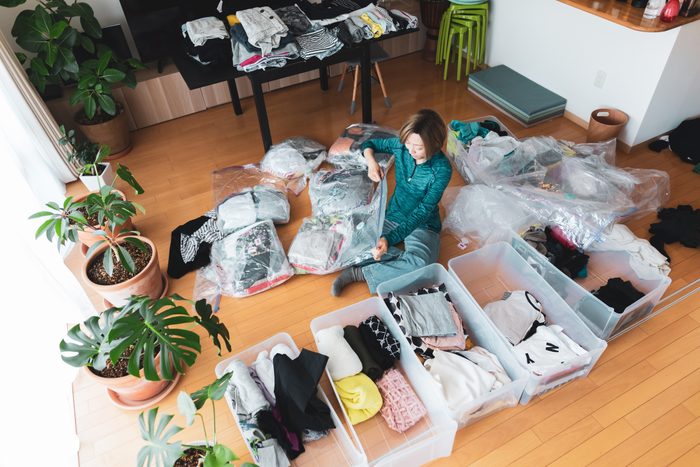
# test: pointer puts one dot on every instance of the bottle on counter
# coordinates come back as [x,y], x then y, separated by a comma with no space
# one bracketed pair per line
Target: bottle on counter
[653,9]
[670,11]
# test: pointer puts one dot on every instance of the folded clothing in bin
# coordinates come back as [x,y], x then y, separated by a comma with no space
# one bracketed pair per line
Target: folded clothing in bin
[353,353]
[618,293]
[520,317]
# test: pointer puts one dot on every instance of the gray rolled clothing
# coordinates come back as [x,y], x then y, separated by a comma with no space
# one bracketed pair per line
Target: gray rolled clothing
[427,315]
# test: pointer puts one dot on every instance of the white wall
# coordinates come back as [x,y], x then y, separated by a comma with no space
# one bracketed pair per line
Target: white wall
[563,48]
[107,12]
[677,95]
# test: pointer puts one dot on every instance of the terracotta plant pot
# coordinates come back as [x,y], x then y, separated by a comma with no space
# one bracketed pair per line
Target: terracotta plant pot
[132,393]
[147,282]
[113,133]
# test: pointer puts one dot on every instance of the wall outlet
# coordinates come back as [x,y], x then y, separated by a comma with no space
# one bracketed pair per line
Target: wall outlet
[599,80]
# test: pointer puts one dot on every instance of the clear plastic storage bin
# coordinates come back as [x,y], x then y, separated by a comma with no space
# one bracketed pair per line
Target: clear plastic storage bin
[480,331]
[496,268]
[602,265]
[432,437]
[457,151]
[336,449]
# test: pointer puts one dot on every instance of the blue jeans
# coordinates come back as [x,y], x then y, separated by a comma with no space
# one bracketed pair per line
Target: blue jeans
[421,247]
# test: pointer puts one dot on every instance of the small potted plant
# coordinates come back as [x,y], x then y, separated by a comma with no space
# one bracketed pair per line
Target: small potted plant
[161,450]
[49,33]
[94,172]
[138,351]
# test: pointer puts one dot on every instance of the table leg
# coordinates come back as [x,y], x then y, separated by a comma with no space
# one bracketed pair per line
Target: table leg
[235,100]
[323,74]
[366,70]
[262,113]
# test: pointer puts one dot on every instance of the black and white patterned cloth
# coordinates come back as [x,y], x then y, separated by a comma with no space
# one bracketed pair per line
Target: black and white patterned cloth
[394,305]
[190,244]
[383,336]
[318,43]
[209,232]
[294,18]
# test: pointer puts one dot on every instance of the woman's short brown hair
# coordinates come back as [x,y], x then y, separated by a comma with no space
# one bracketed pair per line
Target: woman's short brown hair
[431,128]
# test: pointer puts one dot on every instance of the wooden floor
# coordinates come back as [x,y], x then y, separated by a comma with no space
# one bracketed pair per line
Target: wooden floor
[641,404]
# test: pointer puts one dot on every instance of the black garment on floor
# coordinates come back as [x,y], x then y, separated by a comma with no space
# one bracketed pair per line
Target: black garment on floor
[683,140]
[296,383]
[618,294]
[380,355]
[176,265]
[680,224]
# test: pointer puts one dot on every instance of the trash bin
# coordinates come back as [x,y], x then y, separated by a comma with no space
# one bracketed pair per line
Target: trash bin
[605,124]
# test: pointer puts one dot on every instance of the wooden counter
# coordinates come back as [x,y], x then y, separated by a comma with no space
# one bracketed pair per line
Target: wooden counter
[625,14]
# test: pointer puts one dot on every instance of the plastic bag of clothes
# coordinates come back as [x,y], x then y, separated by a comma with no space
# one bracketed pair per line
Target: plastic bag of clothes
[339,191]
[346,151]
[329,243]
[252,205]
[246,262]
[240,178]
[483,214]
[294,159]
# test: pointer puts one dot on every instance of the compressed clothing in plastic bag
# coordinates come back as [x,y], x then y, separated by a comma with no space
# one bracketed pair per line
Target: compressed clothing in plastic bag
[294,158]
[246,262]
[347,149]
[253,205]
[241,178]
[339,191]
[329,243]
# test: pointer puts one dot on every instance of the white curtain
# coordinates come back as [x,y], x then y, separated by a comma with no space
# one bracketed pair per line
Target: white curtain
[40,296]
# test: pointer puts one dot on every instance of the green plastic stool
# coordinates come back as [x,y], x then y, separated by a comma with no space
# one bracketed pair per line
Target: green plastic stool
[461,27]
[481,11]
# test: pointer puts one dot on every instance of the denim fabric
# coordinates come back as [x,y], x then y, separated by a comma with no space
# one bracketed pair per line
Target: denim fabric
[421,247]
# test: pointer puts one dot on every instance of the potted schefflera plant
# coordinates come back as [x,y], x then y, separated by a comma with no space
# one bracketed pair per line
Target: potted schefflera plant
[61,54]
[93,170]
[138,351]
[162,450]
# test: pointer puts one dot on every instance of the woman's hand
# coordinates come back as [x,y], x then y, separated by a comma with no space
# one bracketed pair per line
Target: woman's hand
[381,249]
[374,172]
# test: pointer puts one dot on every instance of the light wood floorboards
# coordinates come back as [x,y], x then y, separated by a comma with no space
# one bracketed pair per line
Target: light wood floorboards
[640,405]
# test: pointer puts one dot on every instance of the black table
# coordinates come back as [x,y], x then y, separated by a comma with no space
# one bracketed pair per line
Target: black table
[197,76]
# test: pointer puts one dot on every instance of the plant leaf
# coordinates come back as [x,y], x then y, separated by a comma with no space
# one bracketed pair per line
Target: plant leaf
[186,407]
[87,44]
[211,323]
[90,107]
[112,75]
[158,450]
[11,3]
[42,21]
[39,66]
[103,61]
[91,26]
[32,42]
[125,174]
[220,456]
[108,262]
[107,104]
[70,64]
[57,29]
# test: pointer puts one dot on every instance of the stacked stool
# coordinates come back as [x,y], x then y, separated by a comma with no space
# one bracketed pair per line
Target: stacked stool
[464,19]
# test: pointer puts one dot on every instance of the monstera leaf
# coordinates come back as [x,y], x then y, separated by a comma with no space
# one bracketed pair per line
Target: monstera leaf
[159,451]
[87,344]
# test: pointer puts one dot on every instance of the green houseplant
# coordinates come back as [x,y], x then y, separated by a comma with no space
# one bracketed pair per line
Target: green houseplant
[161,450]
[94,172]
[139,349]
[63,55]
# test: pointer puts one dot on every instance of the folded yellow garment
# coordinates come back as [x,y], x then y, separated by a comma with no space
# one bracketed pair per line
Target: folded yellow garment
[377,30]
[360,397]
[232,19]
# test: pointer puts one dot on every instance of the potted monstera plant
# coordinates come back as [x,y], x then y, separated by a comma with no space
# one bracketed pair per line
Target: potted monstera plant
[138,351]
[162,450]
[64,55]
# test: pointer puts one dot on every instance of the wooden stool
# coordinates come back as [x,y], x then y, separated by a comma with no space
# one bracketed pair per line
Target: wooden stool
[377,54]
